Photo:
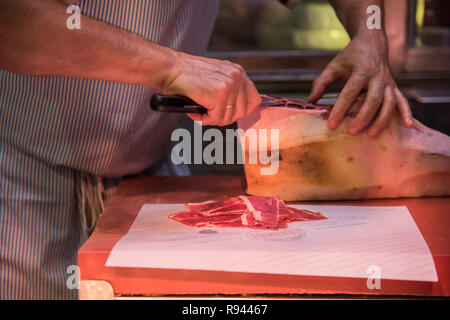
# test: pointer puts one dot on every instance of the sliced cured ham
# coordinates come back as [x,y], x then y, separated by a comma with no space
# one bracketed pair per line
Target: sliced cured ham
[193,219]
[243,211]
[213,208]
[315,163]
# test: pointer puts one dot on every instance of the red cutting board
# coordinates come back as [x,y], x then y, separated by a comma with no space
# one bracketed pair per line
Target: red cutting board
[432,216]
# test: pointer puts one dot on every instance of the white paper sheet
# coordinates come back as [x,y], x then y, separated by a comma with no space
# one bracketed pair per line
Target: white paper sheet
[345,245]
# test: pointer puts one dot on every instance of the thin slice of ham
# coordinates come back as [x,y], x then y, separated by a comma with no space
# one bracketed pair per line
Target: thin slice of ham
[243,211]
[304,215]
[266,211]
[213,208]
[195,220]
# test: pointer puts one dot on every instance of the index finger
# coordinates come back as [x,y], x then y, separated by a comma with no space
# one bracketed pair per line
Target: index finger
[346,98]
[372,103]
[320,84]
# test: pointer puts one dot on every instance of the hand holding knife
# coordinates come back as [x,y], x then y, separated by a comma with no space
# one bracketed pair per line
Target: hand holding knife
[181,104]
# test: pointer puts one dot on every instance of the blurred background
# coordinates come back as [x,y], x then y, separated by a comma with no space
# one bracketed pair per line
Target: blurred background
[284,49]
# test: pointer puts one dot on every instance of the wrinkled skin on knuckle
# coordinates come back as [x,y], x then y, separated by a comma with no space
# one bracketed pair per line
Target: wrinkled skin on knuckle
[390,101]
[389,81]
[346,95]
[361,76]
[229,86]
[241,72]
[228,63]
[368,68]
[238,67]
[220,90]
[232,69]
[236,75]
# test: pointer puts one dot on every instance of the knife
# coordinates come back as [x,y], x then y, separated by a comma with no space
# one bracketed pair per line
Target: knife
[181,104]
[175,104]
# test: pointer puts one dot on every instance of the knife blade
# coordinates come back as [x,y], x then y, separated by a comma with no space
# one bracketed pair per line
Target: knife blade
[182,104]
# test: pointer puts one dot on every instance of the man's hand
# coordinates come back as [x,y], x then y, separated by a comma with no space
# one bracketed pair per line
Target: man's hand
[214,84]
[104,52]
[364,65]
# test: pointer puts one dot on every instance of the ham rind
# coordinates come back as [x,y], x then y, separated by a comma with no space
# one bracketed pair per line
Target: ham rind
[315,163]
[256,212]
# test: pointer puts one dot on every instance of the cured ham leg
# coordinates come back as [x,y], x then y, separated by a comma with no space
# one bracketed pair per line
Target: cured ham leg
[315,163]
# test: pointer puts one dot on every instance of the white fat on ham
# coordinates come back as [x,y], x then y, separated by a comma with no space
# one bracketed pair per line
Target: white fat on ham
[244,220]
[256,213]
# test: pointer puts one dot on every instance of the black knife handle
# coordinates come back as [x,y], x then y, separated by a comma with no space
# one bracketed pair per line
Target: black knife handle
[175,104]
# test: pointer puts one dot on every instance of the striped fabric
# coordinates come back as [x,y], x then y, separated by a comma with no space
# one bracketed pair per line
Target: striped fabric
[56,131]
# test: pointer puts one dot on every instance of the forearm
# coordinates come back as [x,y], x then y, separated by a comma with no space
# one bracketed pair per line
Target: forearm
[364,65]
[353,15]
[34,40]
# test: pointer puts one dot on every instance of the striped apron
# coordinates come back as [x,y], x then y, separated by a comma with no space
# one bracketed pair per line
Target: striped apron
[65,143]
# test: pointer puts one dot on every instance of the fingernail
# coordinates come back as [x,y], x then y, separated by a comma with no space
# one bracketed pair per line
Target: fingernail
[332,124]
[352,129]
[408,123]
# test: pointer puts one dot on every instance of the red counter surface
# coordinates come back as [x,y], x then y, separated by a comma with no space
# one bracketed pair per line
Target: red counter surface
[432,216]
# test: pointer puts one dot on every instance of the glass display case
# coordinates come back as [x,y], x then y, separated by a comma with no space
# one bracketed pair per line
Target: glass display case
[264,34]
[430,24]
[267,25]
